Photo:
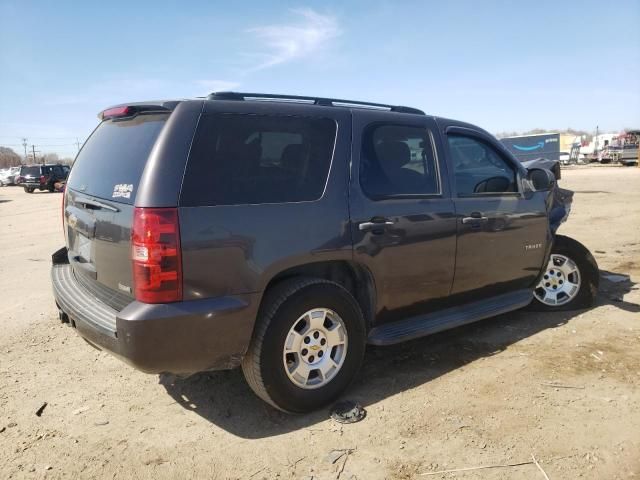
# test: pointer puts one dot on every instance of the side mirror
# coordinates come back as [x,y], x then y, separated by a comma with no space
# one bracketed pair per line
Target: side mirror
[541,179]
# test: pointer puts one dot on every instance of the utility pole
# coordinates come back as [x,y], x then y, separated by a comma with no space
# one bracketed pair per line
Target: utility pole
[78,144]
[33,149]
[24,144]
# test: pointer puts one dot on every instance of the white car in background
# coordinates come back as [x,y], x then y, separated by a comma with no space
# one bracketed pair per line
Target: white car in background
[8,176]
[4,177]
[565,158]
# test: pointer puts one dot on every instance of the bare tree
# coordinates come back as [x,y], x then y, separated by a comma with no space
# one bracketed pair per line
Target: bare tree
[8,158]
[51,158]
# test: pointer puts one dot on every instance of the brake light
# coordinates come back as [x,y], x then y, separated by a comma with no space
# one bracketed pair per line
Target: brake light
[43,179]
[116,112]
[156,256]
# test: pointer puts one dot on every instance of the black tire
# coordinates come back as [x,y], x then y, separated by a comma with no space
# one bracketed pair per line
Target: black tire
[51,188]
[28,189]
[263,364]
[589,276]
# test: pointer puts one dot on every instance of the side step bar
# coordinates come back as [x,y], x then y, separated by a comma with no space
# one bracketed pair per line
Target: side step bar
[416,327]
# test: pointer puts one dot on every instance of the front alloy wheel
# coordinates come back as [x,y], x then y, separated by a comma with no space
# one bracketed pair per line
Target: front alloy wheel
[570,279]
[560,283]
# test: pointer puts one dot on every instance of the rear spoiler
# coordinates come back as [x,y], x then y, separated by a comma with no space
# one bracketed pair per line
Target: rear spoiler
[132,109]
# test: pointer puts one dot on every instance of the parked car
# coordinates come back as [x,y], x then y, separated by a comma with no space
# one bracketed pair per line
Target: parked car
[8,176]
[283,234]
[565,159]
[4,177]
[42,177]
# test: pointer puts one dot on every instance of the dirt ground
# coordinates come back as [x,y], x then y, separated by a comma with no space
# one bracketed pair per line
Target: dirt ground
[477,395]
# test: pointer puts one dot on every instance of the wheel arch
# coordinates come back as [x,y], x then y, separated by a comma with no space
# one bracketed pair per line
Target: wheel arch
[354,277]
[568,241]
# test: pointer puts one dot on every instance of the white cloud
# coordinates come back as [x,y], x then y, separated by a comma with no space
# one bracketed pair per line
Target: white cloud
[287,42]
[217,85]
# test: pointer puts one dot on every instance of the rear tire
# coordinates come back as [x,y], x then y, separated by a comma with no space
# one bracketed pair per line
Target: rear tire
[567,251]
[272,361]
[28,189]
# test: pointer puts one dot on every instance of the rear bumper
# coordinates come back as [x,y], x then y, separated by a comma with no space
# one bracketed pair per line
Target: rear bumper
[182,338]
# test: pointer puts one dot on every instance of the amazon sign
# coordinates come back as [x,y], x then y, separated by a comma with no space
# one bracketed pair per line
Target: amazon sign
[534,146]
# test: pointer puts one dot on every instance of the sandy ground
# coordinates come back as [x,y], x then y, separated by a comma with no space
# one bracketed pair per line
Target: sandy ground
[469,397]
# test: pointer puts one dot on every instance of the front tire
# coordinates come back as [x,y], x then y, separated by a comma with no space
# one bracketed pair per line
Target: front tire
[570,280]
[308,345]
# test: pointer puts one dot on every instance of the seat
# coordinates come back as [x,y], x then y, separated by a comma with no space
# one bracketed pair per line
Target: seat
[292,157]
[393,157]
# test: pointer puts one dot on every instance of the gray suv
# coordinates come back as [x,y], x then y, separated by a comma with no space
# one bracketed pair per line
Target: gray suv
[285,233]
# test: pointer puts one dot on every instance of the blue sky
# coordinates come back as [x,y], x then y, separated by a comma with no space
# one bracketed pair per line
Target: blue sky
[502,65]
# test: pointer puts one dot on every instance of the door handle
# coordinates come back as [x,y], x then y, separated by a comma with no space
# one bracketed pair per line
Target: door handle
[475,219]
[372,225]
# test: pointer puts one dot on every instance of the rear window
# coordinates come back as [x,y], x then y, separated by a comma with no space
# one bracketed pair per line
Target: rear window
[34,171]
[111,161]
[251,159]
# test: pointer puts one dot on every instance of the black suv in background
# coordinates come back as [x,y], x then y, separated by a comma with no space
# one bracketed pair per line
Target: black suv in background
[42,177]
[285,233]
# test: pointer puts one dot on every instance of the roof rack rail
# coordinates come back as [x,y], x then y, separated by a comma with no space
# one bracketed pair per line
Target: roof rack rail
[328,102]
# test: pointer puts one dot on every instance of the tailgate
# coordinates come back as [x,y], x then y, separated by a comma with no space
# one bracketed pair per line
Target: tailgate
[98,236]
[99,204]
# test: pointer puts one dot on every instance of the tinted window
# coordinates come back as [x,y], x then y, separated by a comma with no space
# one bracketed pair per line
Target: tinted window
[479,168]
[33,171]
[248,159]
[398,160]
[111,161]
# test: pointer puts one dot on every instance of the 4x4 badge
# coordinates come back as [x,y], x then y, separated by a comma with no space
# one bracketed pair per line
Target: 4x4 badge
[122,190]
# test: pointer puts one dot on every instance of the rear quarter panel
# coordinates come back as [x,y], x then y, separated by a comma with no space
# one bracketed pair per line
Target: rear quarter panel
[238,249]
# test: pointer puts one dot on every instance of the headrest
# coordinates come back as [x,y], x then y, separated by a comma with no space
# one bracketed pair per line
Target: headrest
[393,153]
[291,157]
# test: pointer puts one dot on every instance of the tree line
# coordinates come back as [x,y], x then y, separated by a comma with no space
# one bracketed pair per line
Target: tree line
[9,158]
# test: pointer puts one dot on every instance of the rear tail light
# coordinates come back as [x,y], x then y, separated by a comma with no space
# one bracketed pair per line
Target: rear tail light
[43,179]
[63,229]
[157,260]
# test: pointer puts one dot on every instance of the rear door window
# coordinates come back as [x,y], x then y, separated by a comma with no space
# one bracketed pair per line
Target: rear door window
[252,159]
[398,160]
[111,161]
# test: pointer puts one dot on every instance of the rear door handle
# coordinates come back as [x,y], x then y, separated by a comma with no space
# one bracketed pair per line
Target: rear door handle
[375,224]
